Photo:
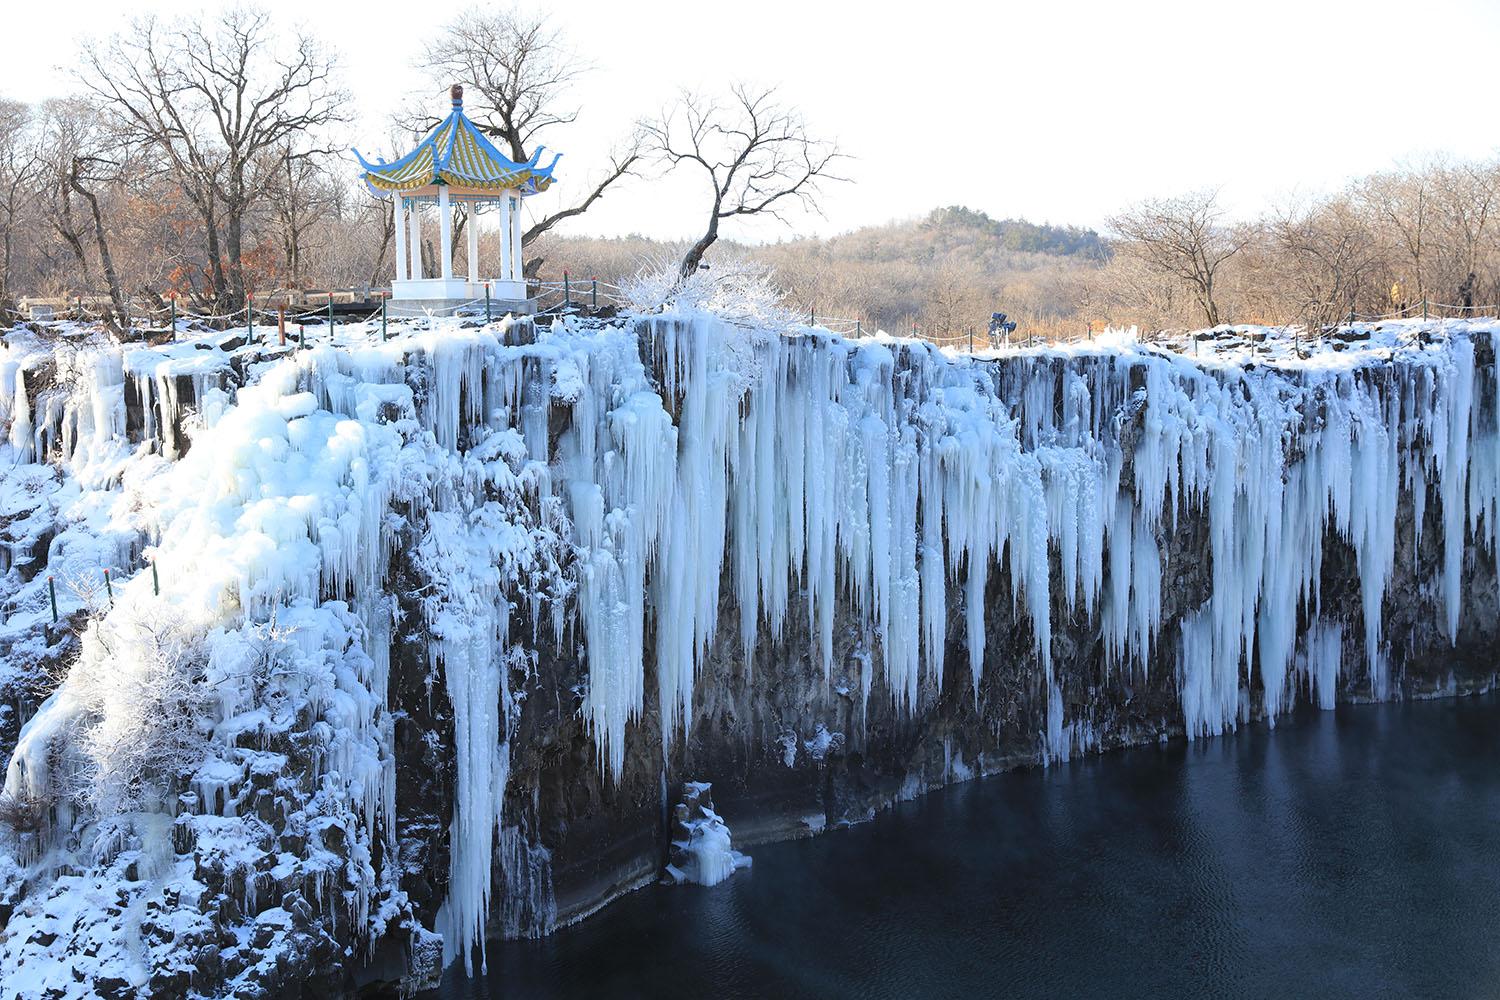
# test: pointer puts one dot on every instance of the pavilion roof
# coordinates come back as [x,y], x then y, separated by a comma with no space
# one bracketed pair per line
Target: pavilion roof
[457,154]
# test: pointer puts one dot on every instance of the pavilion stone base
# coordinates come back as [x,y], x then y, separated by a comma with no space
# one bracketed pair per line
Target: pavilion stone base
[462,307]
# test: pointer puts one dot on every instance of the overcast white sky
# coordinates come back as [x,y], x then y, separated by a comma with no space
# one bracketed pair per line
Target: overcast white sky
[1056,110]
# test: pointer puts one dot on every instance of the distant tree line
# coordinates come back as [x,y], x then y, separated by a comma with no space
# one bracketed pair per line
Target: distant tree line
[1387,244]
[205,160]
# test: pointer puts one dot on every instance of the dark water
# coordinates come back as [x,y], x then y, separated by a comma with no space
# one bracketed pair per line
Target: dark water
[1348,854]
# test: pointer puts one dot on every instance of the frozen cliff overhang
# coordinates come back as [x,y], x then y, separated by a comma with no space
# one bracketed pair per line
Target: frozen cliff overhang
[202,787]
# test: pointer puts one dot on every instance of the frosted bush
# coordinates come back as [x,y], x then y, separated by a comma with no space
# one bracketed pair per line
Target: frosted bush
[734,288]
[144,705]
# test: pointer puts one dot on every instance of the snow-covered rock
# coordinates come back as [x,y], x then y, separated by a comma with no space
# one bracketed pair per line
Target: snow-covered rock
[702,850]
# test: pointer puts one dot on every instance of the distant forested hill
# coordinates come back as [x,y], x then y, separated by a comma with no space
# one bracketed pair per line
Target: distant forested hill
[1018,234]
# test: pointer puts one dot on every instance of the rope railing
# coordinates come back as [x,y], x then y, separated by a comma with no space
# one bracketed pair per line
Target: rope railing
[561,297]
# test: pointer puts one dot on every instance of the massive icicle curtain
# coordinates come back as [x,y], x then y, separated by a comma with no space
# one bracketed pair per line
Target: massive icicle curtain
[896,479]
[610,479]
[825,470]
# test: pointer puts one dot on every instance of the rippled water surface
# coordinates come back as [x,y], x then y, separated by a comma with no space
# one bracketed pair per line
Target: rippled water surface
[1347,854]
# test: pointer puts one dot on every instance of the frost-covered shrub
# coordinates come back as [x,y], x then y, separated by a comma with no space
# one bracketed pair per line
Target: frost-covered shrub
[735,288]
[23,813]
[145,705]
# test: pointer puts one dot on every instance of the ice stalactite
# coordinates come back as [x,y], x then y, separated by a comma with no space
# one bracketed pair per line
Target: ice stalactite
[1451,454]
[490,543]
[529,908]
[21,426]
[1319,661]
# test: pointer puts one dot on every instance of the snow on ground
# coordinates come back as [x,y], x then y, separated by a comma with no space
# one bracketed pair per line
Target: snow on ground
[236,695]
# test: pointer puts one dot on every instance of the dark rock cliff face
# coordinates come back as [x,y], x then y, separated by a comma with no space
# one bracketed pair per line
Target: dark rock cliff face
[791,753]
[606,837]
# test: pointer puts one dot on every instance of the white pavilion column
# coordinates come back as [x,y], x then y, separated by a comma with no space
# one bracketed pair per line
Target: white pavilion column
[505,238]
[445,231]
[516,264]
[415,249]
[399,208]
[473,243]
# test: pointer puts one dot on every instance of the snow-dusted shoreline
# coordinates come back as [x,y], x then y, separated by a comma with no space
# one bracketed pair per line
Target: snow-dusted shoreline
[588,495]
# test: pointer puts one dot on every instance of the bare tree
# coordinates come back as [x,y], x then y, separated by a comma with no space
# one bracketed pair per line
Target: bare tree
[213,100]
[1401,202]
[955,300]
[385,223]
[1134,292]
[1326,255]
[18,168]
[757,154]
[1464,203]
[1184,238]
[518,70]
[80,171]
[66,132]
[301,199]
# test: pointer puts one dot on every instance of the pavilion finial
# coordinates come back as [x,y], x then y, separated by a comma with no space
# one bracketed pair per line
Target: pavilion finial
[457,93]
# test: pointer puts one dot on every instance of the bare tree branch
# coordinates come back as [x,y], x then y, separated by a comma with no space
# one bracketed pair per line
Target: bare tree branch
[757,154]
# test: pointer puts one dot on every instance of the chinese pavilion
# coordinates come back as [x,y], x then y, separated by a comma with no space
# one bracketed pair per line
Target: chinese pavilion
[456,164]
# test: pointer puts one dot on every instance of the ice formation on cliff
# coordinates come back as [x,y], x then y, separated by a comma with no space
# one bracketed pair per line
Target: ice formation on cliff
[610,479]
[702,849]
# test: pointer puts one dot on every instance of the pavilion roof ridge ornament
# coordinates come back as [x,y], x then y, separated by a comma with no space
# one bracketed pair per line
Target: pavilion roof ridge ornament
[458,155]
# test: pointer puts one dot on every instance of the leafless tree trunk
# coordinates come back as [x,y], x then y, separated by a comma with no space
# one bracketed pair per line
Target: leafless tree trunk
[1465,198]
[121,319]
[301,203]
[387,223]
[758,157]
[1327,254]
[953,301]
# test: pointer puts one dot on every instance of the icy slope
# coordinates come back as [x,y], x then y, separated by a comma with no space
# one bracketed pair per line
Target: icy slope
[633,500]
